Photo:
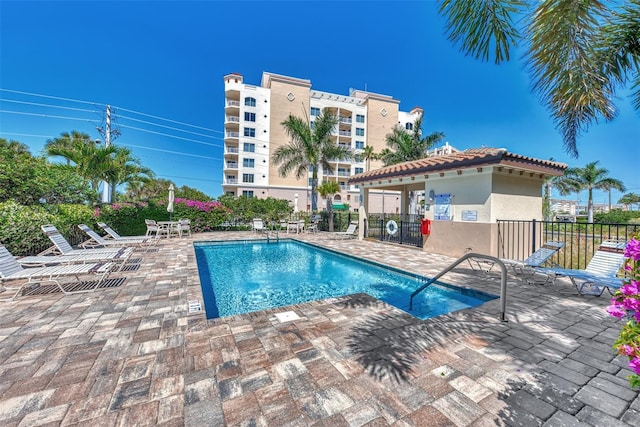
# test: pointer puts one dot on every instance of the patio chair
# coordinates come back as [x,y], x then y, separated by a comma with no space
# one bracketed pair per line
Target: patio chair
[62,246]
[258,225]
[152,227]
[352,231]
[184,226]
[112,234]
[523,268]
[96,241]
[11,270]
[601,273]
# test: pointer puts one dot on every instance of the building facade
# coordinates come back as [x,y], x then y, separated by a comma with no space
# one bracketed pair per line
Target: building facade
[253,131]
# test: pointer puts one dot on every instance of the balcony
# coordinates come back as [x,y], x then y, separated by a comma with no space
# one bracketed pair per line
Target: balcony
[345,120]
[232,103]
[230,181]
[231,150]
[231,165]
[230,135]
[232,119]
[344,133]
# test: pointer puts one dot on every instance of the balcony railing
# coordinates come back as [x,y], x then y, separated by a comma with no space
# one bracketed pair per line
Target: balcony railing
[345,120]
[233,119]
[232,103]
[232,166]
[344,133]
[344,173]
[231,181]
[231,150]
[232,135]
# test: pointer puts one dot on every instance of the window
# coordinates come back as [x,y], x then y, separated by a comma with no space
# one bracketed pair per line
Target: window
[247,177]
[248,163]
[249,117]
[250,132]
[408,126]
[315,111]
[359,118]
[248,147]
[359,131]
[247,193]
[358,170]
[359,145]
[250,102]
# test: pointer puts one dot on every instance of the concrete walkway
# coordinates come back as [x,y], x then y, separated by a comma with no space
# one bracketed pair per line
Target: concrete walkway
[133,355]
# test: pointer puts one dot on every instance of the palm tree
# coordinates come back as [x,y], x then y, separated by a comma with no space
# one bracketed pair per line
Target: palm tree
[310,148]
[405,146]
[630,199]
[589,178]
[368,154]
[579,52]
[126,169]
[327,190]
[66,141]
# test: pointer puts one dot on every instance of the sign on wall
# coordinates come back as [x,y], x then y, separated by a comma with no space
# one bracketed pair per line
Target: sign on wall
[442,211]
[469,215]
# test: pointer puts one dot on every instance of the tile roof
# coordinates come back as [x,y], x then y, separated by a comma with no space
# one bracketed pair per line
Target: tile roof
[472,157]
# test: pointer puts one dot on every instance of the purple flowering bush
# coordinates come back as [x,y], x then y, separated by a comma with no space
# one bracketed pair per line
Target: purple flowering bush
[625,304]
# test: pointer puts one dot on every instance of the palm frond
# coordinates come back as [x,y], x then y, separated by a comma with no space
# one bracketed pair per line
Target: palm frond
[479,26]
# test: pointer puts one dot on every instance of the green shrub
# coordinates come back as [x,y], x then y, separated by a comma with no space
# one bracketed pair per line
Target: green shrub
[616,216]
[20,227]
[127,219]
[67,218]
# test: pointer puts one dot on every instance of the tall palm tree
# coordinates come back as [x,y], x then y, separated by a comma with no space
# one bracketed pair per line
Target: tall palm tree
[67,141]
[405,146]
[327,190]
[590,178]
[368,154]
[310,148]
[579,52]
[630,199]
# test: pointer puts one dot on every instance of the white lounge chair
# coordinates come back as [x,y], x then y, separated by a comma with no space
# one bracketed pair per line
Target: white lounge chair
[523,268]
[111,233]
[600,274]
[96,241]
[120,257]
[352,231]
[61,246]
[11,270]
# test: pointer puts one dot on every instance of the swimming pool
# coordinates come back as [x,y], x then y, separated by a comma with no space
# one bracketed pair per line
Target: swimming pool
[244,276]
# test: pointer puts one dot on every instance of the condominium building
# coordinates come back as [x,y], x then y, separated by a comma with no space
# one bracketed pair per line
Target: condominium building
[253,131]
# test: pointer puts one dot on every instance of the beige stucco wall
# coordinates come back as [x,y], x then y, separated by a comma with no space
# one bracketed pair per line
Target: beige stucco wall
[457,238]
[470,191]
[281,108]
[516,197]
[379,126]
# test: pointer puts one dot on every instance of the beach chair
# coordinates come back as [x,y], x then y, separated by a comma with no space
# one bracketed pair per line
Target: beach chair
[62,247]
[601,273]
[11,270]
[352,231]
[184,227]
[112,234]
[96,241]
[525,268]
[120,257]
[152,227]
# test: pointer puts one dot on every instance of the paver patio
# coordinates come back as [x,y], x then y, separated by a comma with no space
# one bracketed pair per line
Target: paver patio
[134,355]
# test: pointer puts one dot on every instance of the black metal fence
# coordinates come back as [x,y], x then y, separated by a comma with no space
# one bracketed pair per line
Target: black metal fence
[519,239]
[402,232]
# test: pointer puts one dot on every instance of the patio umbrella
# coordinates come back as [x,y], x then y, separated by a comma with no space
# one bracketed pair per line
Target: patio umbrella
[170,205]
[295,203]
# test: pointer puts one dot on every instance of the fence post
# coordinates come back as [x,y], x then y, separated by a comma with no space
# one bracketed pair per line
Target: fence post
[533,240]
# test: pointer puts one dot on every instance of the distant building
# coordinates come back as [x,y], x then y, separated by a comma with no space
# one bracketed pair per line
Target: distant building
[253,131]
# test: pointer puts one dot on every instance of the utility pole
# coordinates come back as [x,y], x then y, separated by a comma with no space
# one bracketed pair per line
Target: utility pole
[106,188]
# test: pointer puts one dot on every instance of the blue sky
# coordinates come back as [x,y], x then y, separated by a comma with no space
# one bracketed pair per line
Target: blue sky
[166,60]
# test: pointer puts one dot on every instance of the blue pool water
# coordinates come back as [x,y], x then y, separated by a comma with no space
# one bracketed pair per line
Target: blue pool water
[240,277]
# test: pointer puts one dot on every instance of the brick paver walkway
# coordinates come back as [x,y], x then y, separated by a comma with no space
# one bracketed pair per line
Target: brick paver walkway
[133,355]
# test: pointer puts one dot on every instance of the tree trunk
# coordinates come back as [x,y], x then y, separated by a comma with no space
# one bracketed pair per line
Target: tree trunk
[330,212]
[590,208]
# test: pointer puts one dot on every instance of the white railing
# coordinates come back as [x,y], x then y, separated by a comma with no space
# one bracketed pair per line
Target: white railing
[232,103]
[232,166]
[231,181]
[232,135]
[345,120]
[232,150]
[234,119]
[344,133]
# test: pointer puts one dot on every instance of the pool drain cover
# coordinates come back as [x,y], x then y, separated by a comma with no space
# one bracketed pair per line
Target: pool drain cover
[287,316]
[195,307]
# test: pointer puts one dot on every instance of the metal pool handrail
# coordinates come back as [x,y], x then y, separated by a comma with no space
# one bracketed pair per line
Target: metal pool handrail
[503,280]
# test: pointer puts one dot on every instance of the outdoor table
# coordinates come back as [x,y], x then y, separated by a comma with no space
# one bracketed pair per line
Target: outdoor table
[169,226]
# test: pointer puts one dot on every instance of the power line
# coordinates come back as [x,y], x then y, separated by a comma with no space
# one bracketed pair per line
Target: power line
[49,96]
[171,136]
[172,152]
[167,127]
[44,115]
[168,120]
[46,105]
